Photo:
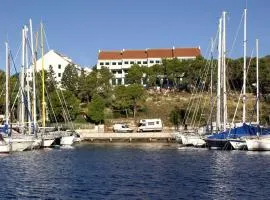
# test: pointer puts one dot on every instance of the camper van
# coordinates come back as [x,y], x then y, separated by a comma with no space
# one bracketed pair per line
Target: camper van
[150,125]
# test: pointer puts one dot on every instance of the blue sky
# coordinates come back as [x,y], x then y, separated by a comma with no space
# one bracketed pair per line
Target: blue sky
[80,28]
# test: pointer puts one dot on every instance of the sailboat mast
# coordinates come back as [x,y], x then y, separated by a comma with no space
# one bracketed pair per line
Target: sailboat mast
[257,78]
[22,106]
[28,83]
[33,77]
[7,85]
[218,75]
[211,87]
[43,79]
[245,66]
[224,71]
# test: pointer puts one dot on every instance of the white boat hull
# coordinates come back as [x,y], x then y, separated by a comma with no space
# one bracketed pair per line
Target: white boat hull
[4,148]
[194,140]
[258,144]
[45,143]
[19,144]
[67,140]
[238,144]
[36,144]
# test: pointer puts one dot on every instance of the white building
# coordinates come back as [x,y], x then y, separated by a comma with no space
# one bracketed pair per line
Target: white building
[58,62]
[120,61]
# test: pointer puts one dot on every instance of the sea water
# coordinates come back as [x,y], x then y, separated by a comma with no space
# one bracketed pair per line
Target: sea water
[134,171]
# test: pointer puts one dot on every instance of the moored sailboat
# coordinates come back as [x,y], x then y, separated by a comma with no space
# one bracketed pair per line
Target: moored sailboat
[235,138]
[261,142]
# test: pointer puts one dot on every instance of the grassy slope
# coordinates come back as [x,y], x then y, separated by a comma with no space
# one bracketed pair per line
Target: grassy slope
[160,106]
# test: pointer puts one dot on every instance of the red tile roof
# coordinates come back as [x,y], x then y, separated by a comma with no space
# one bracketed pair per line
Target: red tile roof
[186,52]
[110,55]
[160,53]
[134,54]
[149,53]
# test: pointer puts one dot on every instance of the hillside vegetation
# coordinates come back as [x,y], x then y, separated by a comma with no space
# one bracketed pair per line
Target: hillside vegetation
[170,91]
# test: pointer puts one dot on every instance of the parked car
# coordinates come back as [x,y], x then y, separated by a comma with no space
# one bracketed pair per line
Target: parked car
[122,128]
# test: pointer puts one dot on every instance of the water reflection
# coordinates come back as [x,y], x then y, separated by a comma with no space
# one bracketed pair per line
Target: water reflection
[135,171]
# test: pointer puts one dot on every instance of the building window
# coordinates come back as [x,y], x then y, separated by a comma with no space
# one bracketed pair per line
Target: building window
[144,62]
[151,61]
[107,63]
[59,66]
[144,81]
[126,71]
[119,71]
[113,81]
[101,63]
[131,62]
[119,63]
[114,63]
[119,81]
[114,71]
[139,62]
[157,61]
[59,74]
[126,62]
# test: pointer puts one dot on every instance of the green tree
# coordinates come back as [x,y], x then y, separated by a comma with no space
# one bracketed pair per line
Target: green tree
[2,92]
[98,82]
[153,73]
[62,106]
[83,88]
[91,82]
[122,99]
[135,74]
[14,88]
[96,109]
[103,82]
[176,116]
[135,93]
[128,97]
[50,82]
[70,79]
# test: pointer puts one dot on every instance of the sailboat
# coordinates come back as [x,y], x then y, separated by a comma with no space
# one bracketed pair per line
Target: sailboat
[4,146]
[218,140]
[67,138]
[194,136]
[13,141]
[232,138]
[261,142]
[47,136]
[20,141]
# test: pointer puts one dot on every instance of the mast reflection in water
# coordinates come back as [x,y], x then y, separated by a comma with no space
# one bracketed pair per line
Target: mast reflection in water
[134,171]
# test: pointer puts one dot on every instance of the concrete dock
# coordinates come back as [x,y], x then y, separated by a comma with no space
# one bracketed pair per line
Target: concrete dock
[126,137]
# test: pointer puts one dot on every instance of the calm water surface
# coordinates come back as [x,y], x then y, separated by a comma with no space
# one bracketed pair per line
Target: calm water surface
[135,171]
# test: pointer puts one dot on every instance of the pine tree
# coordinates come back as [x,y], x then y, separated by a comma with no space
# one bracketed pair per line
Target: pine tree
[70,79]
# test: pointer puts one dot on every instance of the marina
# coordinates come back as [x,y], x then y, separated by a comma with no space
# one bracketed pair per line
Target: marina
[134,100]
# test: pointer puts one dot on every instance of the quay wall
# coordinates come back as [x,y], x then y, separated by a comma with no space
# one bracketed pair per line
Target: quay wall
[93,136]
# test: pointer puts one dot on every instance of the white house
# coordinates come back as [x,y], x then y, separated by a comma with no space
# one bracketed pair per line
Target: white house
[58,62]
[120,61]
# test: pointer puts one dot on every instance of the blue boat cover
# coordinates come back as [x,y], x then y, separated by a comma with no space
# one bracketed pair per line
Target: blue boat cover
[4,129]
[245,130]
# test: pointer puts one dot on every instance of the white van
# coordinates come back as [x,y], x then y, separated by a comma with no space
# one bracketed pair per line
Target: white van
[122,128]
[150,125]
